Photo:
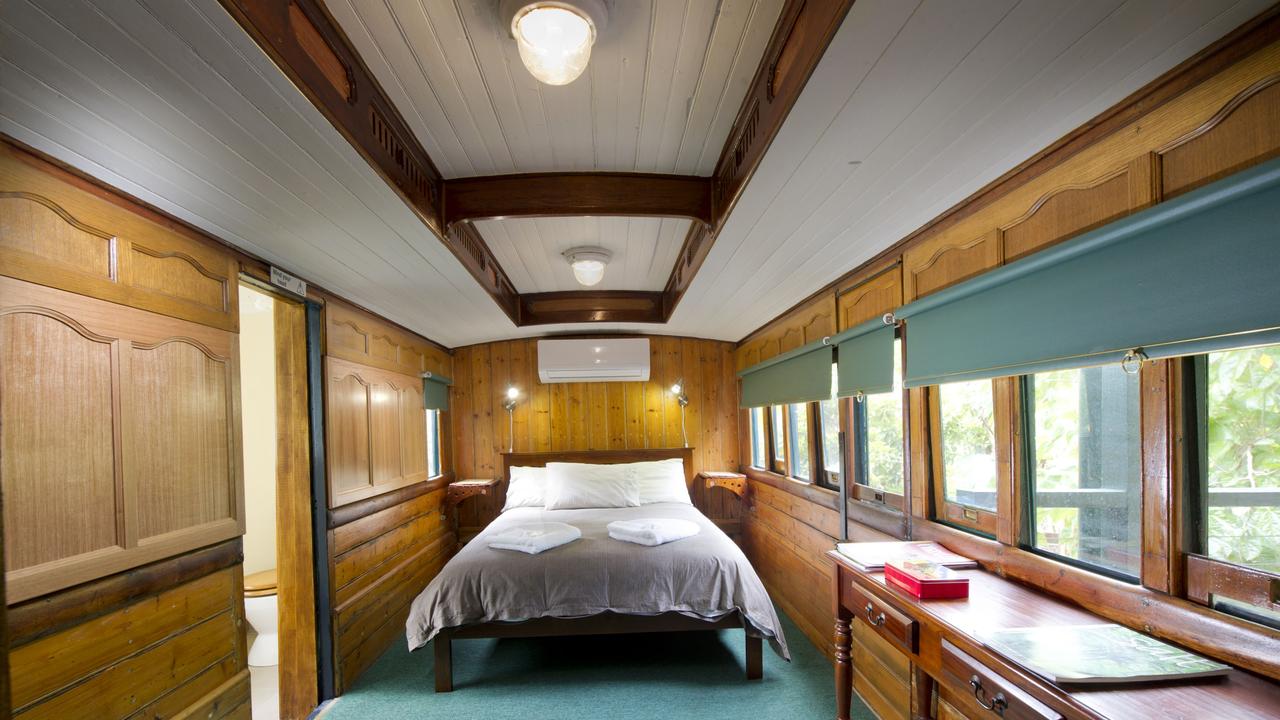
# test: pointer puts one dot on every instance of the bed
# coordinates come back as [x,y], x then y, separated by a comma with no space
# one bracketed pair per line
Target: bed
[594,585]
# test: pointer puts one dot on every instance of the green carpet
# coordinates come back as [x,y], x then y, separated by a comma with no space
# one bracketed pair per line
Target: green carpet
[683,675]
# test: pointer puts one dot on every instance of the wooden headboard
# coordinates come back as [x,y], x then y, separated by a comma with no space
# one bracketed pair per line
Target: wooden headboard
[598,457]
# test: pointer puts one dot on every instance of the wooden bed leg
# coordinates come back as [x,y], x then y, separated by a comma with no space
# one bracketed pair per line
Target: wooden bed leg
[444,662]
[755,657]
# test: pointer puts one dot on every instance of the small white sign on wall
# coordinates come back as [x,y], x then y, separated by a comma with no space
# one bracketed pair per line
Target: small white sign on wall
[282,279]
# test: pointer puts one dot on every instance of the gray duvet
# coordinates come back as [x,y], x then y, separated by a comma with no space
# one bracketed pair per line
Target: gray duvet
[705,576]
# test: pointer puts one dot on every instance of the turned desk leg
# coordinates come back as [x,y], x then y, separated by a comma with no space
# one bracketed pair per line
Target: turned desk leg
[444,662]
[755,657]
[844,666]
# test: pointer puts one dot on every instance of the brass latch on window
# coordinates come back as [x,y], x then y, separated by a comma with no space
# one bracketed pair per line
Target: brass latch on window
[970,514]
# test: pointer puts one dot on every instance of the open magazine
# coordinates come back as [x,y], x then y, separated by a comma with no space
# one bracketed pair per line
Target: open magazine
[871,556]
[1094,654]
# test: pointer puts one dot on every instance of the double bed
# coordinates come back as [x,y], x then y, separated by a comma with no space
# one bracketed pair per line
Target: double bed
[595,585]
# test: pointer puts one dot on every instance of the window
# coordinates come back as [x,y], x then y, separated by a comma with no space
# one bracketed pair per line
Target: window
[966,447]
[1234,475]
[798,440]
[758,440]
[433,443]
[829,422]
[1241,463]
[778,442]
[1083,466]
[878,423]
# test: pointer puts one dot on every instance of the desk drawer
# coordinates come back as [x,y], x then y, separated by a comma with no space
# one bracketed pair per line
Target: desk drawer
[889,622]
[980,692]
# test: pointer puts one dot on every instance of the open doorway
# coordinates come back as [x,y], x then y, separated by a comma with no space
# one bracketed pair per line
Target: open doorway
[279,584]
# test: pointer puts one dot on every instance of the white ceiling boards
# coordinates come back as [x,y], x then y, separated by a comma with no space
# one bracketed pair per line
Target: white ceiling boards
[913,107]
[664,83]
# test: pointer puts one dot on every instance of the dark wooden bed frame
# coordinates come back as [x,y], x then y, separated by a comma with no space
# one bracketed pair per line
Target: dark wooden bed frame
[605,623]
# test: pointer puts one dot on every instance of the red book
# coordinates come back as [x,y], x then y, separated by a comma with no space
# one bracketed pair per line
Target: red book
[925,580]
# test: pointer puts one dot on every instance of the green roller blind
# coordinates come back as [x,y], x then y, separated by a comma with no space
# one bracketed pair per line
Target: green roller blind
[801,375]
[865,356]
[1189,275]
[435,391]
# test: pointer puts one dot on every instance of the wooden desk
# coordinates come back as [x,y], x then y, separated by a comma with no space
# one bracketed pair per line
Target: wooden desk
[940,640]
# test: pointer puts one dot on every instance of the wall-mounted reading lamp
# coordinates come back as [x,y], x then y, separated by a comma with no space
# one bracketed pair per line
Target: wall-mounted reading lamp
[513,394]
[683,399]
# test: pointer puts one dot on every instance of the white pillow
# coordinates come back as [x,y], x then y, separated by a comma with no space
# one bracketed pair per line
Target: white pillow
[581,485]
[527,488]
[661,481]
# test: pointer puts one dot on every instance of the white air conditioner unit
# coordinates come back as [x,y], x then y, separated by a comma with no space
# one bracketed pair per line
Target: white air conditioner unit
[593,360]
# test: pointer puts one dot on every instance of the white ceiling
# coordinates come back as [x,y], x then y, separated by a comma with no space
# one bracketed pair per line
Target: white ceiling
[531,250]
[664,84]
[171,101]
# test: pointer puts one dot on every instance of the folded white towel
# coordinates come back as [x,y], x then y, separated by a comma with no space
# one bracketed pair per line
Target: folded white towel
[652,531]
[533,538]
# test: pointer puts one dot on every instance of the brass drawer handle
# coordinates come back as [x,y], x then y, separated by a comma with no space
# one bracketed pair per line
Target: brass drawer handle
[997,704]
[876,621]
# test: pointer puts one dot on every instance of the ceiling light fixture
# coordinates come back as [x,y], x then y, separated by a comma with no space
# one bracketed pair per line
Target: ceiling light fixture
[588,264]
[555,36]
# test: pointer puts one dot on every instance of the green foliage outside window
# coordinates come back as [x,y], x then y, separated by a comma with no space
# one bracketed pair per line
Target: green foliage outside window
[969,443]
[1244,455]
[883,442]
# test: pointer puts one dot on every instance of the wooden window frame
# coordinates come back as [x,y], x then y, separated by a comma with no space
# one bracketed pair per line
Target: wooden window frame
[808,410]
[780,466]
[1200,577]
[860,489]
[997,524]
[440,440]
[766,450]
[826,478]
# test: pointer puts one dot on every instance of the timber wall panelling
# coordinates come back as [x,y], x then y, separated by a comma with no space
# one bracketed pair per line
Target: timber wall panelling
[813,320]
[120,457]
[374,421]
[1216,123]
[380,562]
[164,641]
[594,416]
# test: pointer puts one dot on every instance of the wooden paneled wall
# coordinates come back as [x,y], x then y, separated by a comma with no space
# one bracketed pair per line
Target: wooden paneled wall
[593,416]
[119,455]
[380,562]
[374,422]
[1201,122]
[155,642]
[388,536]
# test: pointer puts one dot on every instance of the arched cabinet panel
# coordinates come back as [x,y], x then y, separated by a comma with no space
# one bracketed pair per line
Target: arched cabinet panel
[1244,132]
[119,434]
[52,434]
[870,297]
[376,430]
[945,260]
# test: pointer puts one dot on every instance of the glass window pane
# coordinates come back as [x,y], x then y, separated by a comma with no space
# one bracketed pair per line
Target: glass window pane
[882,434]
[757,437]
[779,452]
[1085,465]
[799,427]
[968,443]
[1242,458]
[433,443]
[830,413]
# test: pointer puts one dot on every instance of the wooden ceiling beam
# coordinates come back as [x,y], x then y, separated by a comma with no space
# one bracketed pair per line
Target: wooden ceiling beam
[577,194]
[800,37]
[581,306]
[307,45]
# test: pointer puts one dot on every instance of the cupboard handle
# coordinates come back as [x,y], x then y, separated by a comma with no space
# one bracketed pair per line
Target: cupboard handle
[997,703]
[876,621]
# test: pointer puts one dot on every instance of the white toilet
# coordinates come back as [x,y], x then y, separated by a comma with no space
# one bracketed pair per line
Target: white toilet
[260,610]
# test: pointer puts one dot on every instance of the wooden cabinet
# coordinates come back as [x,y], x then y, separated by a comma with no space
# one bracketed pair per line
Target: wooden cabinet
[359,337]
[890,623]
[58,233]
[946,259]
[376,431]
[982,692]
[881,673]
[870,296]
[120,437]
